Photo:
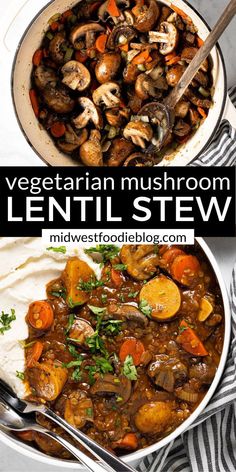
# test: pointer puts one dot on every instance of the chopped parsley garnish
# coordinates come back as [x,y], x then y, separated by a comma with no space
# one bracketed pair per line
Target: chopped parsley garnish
[60,293]
[77,374]
[95,343]
[107,251]
[104,298]
[133,294]
[103,365]
[120,267]
[145,308]
[73,351]
[111,326]
[61,249]
[6,320]
[97,310]
[90,284]
[20,375]
[129,369]
[92,370]
[89,412]
[72,304]
[119,399]
[25,345]
[70,322]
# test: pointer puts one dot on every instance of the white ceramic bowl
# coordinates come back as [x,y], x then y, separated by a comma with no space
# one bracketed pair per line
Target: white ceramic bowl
[134,458]
[39,139]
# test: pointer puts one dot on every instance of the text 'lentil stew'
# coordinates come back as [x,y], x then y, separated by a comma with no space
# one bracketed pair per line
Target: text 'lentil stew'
[98,67]
[128,357]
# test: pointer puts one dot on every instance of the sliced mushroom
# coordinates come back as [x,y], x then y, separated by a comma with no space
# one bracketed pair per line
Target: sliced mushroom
[58,99]
[108,385]
[162,122]
[188,54]
[181,128]
[166,371]
[120,35]
[91,151]
[88,31]
[104,15]
[182,108]
[107,66]
[80,330]
[197,101]
[55,48]
[116,116]
[130,73]
[174,74]
[146,87]
[138,132]
[107,94]
[78,409]
[72,139]
[194,117]
[90,113]
[118,152]
[141,261]
[44,76]
[76,76]
[147,16]
[167,37]
[138,159]
[127,312]
[202,78]
[134,103]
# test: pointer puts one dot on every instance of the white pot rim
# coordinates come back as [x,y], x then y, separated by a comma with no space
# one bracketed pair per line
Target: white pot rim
[138,455]
[70,162]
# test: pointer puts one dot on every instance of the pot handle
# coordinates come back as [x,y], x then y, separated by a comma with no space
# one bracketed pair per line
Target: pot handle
[230,112]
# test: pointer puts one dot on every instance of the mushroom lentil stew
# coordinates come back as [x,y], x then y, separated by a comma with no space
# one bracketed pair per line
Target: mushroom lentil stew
[100,64]
[126,358]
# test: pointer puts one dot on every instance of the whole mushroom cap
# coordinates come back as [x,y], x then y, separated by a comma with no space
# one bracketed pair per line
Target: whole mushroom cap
[76,75]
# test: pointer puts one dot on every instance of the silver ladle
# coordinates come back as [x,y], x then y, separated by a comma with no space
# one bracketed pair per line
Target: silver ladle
[163,112]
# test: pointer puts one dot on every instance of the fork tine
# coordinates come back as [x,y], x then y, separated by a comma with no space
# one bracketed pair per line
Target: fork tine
[7,394]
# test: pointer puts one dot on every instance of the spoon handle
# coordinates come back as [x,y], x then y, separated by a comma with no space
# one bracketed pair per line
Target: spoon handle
[89,463]
[201,55]
[105,456]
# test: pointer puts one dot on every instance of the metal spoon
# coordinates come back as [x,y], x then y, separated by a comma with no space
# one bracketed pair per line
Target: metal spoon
[13,421]
[162,114]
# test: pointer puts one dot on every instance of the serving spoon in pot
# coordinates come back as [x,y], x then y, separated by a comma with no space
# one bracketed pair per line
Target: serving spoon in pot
[162,113]
[107,458]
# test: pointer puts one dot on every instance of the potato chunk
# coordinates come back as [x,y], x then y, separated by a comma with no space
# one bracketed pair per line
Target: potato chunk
[163,295]
[47,379]
[76,271]
[154,417]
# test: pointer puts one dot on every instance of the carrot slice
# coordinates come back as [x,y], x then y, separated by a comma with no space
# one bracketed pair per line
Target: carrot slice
[40,315]
[116,277]
[58,129]
[26,435]
[179,11]
[171,254]
[170,56]
[184,268]
[129,441]
[101,43]
[67,14]
[141,58]
[54,26]
[81,56]
[34,101]
[202,112]
[200,42]
[37,57]
[189,340]
[124,47]
[112,8]
[173,61]
[34,353]
[163,296]
[132,347]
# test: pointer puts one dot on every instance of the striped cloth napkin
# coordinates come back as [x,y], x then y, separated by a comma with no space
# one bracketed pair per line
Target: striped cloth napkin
[210,444]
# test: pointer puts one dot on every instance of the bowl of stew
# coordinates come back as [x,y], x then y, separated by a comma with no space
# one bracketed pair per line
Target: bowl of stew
[128,345]
[86,77]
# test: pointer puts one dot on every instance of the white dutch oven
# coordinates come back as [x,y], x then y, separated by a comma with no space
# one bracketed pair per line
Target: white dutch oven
[135,457]
[38,138]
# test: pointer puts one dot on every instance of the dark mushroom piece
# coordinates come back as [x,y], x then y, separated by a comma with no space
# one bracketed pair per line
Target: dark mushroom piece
[76,76]
[197,101]
[138,132]
[130,73]
[120,35]
[168,37]
[107,385]
[174,74]
[166,371]
[107,66]
[188,54]
[44,76]
[55,48]
[117,116]
[80,331]
[91,150]
[120,149]
[146,87]
[90,114]
[162,121]
[88,31]
[138,159]
[58,99]
[147,16]
[182,108]
[181,128]
[141,261]
[127,312]
[107,94]
[72,140]
[104,15]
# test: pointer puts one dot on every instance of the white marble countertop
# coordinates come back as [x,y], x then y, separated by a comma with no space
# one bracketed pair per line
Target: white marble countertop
[224,250]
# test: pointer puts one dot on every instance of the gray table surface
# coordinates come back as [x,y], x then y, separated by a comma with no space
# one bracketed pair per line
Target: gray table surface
[223,248]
